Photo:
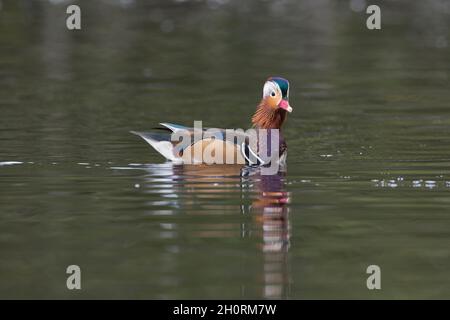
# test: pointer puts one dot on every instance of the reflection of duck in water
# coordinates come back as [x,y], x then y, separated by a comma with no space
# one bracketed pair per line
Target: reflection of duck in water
[223,147]
[272,213]
[198,190]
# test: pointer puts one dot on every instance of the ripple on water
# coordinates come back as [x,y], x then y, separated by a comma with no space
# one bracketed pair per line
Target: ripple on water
[410,183]
[9,163]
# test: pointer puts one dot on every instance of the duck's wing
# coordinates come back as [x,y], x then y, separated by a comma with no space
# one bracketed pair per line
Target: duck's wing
[160,139]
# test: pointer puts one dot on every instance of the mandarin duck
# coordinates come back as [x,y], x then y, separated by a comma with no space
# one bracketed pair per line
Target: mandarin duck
[228,144]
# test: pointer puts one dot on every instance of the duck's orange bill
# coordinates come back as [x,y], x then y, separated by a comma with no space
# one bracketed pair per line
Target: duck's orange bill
[284,104]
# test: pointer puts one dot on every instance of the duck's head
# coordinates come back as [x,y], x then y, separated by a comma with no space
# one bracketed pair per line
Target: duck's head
[271,111]
[276,94]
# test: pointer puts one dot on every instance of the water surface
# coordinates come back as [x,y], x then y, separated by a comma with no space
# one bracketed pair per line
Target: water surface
[368,177]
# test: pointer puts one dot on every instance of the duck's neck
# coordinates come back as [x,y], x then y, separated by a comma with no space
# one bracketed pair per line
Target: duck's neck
[267,118]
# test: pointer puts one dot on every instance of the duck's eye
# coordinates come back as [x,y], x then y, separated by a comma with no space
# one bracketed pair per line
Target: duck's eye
[273,94]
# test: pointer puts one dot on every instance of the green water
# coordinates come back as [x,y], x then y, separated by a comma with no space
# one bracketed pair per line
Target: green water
[368,178]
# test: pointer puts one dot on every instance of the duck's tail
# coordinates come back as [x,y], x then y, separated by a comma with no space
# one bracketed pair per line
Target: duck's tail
[161,142]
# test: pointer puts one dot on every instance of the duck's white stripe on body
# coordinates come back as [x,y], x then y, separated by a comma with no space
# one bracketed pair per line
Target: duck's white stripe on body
[243,145]
[257,158]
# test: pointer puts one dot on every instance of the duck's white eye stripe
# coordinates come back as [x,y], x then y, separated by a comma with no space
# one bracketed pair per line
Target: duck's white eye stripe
[269,88]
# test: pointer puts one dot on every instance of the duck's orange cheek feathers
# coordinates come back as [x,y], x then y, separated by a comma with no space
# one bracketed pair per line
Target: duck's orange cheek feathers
[272,102]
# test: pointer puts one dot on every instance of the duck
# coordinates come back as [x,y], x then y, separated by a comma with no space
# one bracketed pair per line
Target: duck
[267,120]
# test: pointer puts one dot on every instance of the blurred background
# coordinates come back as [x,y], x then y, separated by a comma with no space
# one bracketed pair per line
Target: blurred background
[368,177]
